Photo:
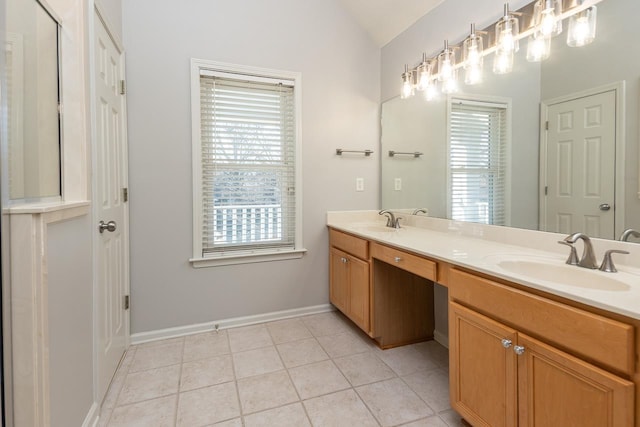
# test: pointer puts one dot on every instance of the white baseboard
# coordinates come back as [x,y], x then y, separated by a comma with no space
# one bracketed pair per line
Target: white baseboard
[441,338]
[91,420]
[180,331]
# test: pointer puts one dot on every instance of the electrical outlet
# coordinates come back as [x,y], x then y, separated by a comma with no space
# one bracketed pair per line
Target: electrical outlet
[359,184]
[397,184]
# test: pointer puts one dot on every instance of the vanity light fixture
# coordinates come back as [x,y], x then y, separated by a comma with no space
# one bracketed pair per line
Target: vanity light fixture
[507,30]
[582,27]
[546,22]
[538,47]
[546,14]
[407,83]
[447,72]
[472,57]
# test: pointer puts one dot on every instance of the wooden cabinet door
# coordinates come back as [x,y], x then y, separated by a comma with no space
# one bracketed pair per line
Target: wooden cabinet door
[557,389]
[359,303]
[482,372]
[339,280]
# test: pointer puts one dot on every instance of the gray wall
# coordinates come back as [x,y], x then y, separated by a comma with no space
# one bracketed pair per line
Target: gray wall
[70,320]
[340,109]
[607,60]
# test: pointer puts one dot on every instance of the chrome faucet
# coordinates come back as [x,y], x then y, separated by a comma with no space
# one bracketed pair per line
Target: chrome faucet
[588,259]
[420,210]
[392,221]
[630,232]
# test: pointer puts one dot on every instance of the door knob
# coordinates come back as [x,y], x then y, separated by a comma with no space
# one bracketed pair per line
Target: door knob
[605,207]
[109,226]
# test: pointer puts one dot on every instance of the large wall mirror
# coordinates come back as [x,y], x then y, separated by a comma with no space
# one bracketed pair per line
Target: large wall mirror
[31,154]
[565,178]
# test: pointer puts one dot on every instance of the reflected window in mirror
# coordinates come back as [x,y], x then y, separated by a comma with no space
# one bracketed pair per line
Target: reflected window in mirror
[31,101]
[477,166]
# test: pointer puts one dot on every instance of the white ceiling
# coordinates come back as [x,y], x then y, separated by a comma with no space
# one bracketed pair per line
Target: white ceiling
[385,19]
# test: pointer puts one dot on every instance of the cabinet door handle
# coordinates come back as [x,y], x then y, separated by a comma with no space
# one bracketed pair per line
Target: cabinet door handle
[506,343]
[518,349]
[344,260]
[397,259]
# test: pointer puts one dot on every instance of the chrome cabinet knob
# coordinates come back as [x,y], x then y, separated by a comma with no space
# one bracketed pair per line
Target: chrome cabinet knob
[506,343]
[344,260]
[518,349]
[109,226]
[397,259]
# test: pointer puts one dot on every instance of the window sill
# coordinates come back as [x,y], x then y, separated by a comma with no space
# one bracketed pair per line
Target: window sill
[246,259]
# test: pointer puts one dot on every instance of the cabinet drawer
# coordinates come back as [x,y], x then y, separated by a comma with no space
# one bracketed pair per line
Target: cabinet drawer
[588,335]
[404,260]
[350,244]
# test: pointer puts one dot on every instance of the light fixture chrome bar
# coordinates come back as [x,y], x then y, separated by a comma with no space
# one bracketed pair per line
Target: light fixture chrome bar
[399,153]
[586,4]
[367,153]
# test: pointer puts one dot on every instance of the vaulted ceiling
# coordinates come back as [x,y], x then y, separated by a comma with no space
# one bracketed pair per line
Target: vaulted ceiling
[385,19]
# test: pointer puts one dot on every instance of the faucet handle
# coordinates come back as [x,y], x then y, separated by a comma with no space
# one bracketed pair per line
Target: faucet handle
[573,256]
[607,262]
[396,224]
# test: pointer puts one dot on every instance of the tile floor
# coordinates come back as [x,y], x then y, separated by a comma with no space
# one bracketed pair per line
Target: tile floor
[317,370]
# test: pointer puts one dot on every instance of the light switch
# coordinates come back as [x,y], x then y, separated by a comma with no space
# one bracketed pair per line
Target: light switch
[359,184]
[397,184]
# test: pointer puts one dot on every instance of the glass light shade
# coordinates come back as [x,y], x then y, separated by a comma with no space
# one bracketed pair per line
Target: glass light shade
[546,13]
[451,84]
[473,74]
[473,60]
[503,62]
[582,27]
[507,29]
[538,47]
[424,75]
[407,84]
[431,91]
[446,64]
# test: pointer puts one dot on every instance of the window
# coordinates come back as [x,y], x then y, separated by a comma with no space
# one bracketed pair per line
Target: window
[246,146]
[478,145]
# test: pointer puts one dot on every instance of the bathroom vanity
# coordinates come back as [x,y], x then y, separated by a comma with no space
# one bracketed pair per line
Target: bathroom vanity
[524,348]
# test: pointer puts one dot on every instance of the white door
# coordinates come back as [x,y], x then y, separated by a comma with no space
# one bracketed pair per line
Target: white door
[112,247]
[580,157]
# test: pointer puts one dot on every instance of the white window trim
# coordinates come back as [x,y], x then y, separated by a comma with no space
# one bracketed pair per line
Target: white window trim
[482,100]
[198,261]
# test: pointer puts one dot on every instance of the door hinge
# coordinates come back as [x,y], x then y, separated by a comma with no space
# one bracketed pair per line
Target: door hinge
[546,190]
[123,88]
[59,108]
[125,194]
[126,302]
[546,125]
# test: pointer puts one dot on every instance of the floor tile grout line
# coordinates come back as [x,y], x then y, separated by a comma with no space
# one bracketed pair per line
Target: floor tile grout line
[117,397]
[235,381]
[177,405]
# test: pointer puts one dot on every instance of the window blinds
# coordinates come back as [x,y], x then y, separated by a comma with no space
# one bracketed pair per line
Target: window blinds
[248,166]
[477,162]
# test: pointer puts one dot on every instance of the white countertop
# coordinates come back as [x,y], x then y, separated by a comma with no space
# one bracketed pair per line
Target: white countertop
[482,248]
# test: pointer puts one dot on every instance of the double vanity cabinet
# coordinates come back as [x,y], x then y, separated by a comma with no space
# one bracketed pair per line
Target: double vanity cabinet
[518,356]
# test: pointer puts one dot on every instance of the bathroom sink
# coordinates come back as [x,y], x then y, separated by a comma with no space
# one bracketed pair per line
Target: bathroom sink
[379,229]
[558,273]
